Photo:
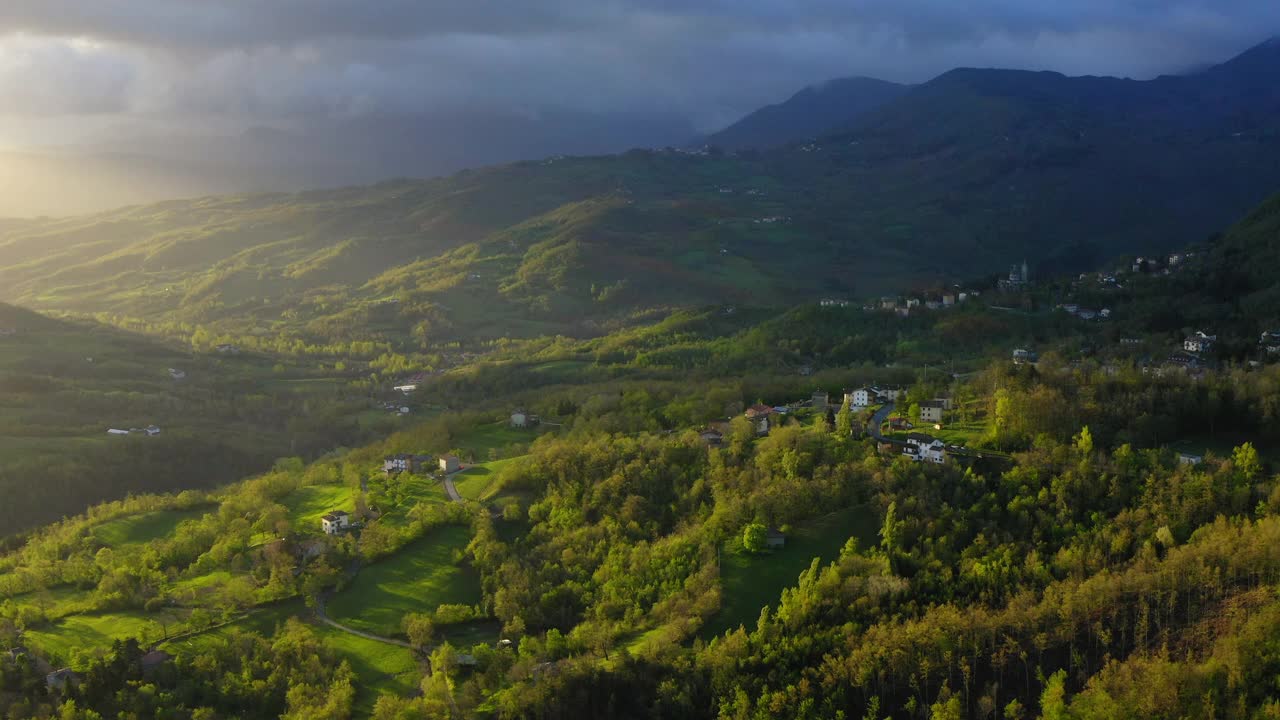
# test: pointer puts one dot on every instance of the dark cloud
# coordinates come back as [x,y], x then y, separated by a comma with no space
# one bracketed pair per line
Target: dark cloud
[270,60]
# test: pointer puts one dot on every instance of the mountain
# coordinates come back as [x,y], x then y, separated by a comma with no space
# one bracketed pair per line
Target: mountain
[123,168]
[957,178]
[814,111]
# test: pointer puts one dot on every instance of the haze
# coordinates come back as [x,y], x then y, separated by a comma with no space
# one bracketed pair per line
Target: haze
[137,100]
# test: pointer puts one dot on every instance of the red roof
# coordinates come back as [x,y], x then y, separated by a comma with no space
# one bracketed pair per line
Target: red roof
[759,410]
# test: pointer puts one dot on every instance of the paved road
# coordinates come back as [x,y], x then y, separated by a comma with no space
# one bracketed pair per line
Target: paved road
[873,425]
[449,488]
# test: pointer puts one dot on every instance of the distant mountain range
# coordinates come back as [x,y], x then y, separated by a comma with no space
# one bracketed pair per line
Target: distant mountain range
[955,178]
[813,112]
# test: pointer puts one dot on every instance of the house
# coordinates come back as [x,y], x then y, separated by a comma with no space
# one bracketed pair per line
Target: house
[402,462]
[450,463]
[335,522]
[524,419]
[1270,341]
[775,539]
[948,299]
[712,437]
[819,401]
[152,430]
[890,393]
[407,388]
[177,374]
[1185,359]
[931,411]
[948,403]
[1189,459]
[925,448]
[1021,356]
[117,431]
[62,679]
[897,422]
[760,417]
[1199,343]
[862,397]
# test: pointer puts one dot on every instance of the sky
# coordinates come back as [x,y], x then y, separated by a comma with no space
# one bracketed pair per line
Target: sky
[70,69]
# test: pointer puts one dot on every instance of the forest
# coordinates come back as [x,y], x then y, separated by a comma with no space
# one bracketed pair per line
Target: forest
[1100,540]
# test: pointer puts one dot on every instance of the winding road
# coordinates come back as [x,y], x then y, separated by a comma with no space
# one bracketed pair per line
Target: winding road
[877,420]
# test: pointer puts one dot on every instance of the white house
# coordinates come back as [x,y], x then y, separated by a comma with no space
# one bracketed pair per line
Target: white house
[335,522]
[406,389]
[925,448]
[1200,342]
[450,463]
[862,397]
[931,411]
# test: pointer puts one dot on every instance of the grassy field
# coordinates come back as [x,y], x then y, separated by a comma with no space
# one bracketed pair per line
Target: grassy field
[751,582]
[496,436]
[476,482]
[381,668]
[418,578]
[98,631]
[306,505]
[139,529]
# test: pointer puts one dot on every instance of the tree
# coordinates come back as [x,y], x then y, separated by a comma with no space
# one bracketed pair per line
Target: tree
[1053,701]
[754,537]
[420,629]
[844,421]
[891,530]
[1245,460]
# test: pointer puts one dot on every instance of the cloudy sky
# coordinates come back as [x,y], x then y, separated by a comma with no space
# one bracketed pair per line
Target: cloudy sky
[70,68]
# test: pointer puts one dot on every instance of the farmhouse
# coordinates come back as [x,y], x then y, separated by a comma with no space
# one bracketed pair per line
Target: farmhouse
[335,522]
[403,462]
[760,417]
[925,448]
[775,539]
[450,463]
[1199,343]
[931,411]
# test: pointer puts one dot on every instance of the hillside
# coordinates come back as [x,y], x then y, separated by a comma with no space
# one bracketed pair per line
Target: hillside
[813,112]
[957,178]
[64,384]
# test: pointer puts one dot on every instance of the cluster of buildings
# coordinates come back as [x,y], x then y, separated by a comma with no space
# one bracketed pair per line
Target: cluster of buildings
[903,306]
[1084,313]
[149,431]
[411,463]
